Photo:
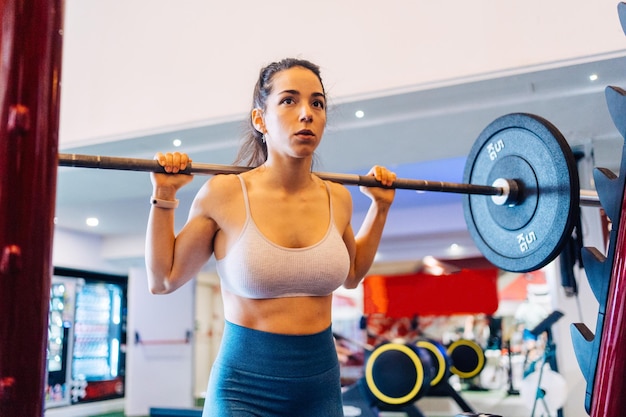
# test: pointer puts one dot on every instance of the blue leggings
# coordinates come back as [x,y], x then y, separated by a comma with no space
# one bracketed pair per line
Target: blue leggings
[264,374]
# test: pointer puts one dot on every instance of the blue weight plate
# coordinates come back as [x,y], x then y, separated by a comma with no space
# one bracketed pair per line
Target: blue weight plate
[531,233]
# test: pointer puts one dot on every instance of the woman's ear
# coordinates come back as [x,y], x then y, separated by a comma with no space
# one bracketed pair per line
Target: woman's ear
[257,120]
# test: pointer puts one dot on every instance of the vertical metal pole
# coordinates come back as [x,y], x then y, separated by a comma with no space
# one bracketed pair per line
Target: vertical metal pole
[610,385]
[30,70]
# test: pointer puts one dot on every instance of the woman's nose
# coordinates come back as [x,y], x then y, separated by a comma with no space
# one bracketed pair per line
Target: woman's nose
[306,115]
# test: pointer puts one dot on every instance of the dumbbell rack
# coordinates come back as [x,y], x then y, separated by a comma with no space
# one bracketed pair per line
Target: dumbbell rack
[602,362]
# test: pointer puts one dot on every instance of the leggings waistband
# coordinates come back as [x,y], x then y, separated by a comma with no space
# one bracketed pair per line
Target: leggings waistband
[277,354]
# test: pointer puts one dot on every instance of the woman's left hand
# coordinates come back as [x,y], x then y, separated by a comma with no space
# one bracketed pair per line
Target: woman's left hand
[385,177]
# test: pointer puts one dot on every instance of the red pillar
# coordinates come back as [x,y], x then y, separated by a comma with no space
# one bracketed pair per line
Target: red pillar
[610,385]
[30,63]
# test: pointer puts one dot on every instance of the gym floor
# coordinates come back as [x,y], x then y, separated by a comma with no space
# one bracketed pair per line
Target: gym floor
[493,402]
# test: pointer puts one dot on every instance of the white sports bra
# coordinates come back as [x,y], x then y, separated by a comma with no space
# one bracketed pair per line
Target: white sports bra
[256,267]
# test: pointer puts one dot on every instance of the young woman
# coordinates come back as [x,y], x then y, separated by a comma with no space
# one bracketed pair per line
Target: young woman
[283,243]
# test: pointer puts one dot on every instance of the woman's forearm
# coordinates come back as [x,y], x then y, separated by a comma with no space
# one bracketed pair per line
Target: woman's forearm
[160,242]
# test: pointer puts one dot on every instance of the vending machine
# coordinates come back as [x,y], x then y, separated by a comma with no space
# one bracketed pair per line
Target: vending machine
[87,337]
[60,332]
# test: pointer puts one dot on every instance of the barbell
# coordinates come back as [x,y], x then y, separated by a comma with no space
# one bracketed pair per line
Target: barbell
[520,160]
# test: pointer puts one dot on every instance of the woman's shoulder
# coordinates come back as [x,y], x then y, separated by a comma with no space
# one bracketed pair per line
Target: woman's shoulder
[220,186]
[217,195]
[224,181]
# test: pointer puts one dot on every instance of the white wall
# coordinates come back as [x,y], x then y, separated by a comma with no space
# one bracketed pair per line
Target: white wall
[159,372]
[80,251]
[143,65]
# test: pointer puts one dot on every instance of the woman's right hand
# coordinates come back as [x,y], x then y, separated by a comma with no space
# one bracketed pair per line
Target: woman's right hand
[172,162]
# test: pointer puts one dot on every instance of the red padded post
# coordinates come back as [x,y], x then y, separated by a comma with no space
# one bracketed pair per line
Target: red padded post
[30,68]
[610,385]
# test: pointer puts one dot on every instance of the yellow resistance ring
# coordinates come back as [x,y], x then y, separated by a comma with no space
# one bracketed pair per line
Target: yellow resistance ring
[370,378]
[441,361]
[480,355]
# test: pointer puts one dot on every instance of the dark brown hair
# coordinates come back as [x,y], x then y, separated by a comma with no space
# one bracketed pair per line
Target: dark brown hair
[253,150]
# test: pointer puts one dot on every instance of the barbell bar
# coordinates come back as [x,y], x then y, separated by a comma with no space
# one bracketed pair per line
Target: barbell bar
[151,165]
[507,190]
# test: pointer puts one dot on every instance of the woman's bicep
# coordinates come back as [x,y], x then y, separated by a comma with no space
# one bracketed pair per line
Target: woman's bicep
[193,246]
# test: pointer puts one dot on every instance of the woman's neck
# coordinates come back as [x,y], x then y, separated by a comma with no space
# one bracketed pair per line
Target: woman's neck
[289,174]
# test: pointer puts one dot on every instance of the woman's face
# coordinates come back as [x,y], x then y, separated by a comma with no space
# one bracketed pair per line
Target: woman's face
[295,114]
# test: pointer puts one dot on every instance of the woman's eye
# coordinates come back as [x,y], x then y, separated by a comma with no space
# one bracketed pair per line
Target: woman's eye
[319,104]
[288,100]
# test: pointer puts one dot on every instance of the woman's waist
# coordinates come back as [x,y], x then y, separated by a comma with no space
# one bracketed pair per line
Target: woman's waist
[305,315]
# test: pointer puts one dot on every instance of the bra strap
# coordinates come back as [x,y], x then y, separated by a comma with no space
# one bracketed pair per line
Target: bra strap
[244,190]
[330,200]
